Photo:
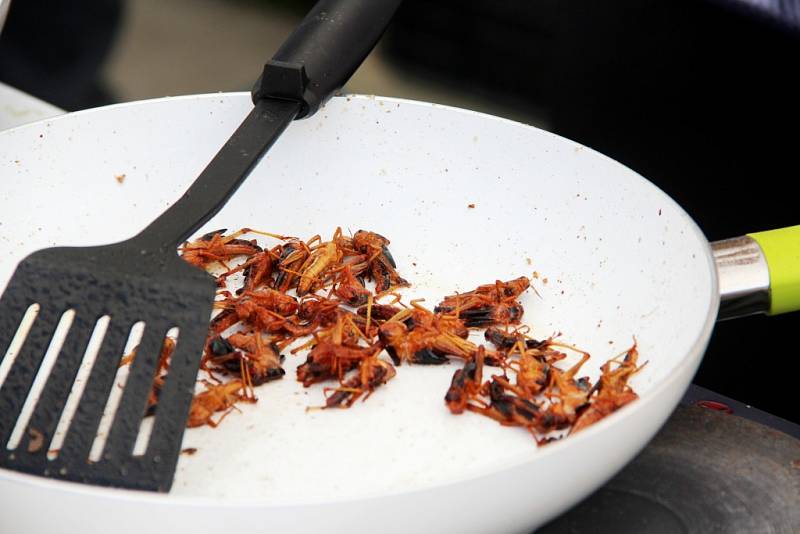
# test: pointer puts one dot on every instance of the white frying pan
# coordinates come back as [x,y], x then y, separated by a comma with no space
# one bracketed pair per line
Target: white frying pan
[621,259]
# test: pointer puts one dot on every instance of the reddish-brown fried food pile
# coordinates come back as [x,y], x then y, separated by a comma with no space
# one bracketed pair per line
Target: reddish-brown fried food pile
[329,291]
[540,397]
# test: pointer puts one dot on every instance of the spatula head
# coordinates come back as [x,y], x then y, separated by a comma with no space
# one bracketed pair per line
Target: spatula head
[129,284]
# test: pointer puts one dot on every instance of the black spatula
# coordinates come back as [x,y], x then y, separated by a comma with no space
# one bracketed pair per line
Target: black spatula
[144,280]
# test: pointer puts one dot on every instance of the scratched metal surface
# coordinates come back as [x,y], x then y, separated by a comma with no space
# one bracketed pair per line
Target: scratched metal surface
[705,471]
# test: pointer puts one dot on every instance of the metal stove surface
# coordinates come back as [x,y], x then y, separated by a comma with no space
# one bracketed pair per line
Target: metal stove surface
[716,466]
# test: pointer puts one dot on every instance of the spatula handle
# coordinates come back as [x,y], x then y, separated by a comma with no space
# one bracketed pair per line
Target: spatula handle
[318,58]
[324,51]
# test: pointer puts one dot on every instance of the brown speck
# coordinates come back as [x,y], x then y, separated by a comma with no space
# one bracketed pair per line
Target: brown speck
[471,206]
[37,440]
[414,264]
[544,281]
[536,275]
[120,178]
[529,261]
[189,450]
[659,212]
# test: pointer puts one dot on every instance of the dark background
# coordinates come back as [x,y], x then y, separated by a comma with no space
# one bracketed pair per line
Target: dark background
[701,97]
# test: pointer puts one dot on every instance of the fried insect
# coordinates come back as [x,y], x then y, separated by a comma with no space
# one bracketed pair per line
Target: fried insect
[417,346]
[508,409]
[372,372]
[544,398]
[271,300]
[466,383]
[350,289]
[420,317]
[344,330]
[318,263]
[567,395]
[380,312]
[318,310]
[329,361]
[381,264]
[259,319]
[496,292]
[485,294]
[505,341]
[262,360]
[504,313]
[358,263]
[533,370]
[167,348]
[292,256]
[612,390]
[216,398]
[263,309]
[213,247]
[488,305]
[416,335]
[257,270]
[334,353]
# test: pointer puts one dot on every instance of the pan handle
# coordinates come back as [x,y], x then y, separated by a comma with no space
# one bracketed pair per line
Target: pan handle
[782,250]
[759,273]
[324,51]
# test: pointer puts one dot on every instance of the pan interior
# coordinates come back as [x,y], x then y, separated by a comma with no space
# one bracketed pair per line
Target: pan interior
[464,198]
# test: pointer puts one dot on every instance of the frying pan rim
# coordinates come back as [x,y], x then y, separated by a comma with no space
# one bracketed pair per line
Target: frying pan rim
[692,357]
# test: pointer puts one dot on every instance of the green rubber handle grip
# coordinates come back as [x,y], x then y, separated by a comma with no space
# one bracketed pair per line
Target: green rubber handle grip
[781,249]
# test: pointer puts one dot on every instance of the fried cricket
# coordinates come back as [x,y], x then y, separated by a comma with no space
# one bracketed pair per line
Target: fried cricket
[372,372]
[612,390]
[214,247]
[466,383]
[336,300]
[216,398]
[488,305]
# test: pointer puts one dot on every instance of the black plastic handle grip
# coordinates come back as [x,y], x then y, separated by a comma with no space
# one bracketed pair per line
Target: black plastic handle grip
[324,51]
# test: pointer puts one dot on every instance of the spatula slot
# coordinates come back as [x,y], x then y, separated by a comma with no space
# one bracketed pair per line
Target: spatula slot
[92,349]
[114,397]
[14,347]
[53,349]
[161,376]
